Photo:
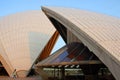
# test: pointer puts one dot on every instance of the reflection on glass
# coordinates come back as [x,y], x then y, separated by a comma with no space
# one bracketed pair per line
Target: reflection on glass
[74,52]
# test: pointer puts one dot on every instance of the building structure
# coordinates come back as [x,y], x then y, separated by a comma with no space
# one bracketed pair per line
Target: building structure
[100,33]
[33,34]
[23,38]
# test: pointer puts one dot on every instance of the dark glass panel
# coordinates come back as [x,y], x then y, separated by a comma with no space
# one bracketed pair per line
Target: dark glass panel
[60,57]
[74,50]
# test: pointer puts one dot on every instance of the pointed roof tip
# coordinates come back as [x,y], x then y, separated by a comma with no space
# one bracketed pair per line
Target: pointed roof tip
[43,8]
[47,7]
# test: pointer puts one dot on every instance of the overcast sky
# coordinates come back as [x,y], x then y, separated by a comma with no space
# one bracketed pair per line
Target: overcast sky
[109,7]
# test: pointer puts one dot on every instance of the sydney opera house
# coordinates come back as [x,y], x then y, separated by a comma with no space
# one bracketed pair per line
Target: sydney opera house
[92,44]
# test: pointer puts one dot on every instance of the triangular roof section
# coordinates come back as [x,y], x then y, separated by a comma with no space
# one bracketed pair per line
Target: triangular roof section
[23,37]
[99,32]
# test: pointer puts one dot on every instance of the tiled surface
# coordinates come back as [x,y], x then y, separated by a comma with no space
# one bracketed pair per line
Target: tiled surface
[99,32]
[22,38]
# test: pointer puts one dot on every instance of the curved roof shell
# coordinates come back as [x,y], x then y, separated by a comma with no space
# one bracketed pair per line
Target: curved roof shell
[100,33]
[22,37]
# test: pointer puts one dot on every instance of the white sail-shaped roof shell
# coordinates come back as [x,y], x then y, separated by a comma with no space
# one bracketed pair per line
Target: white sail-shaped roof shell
[100,33]
[22,37]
